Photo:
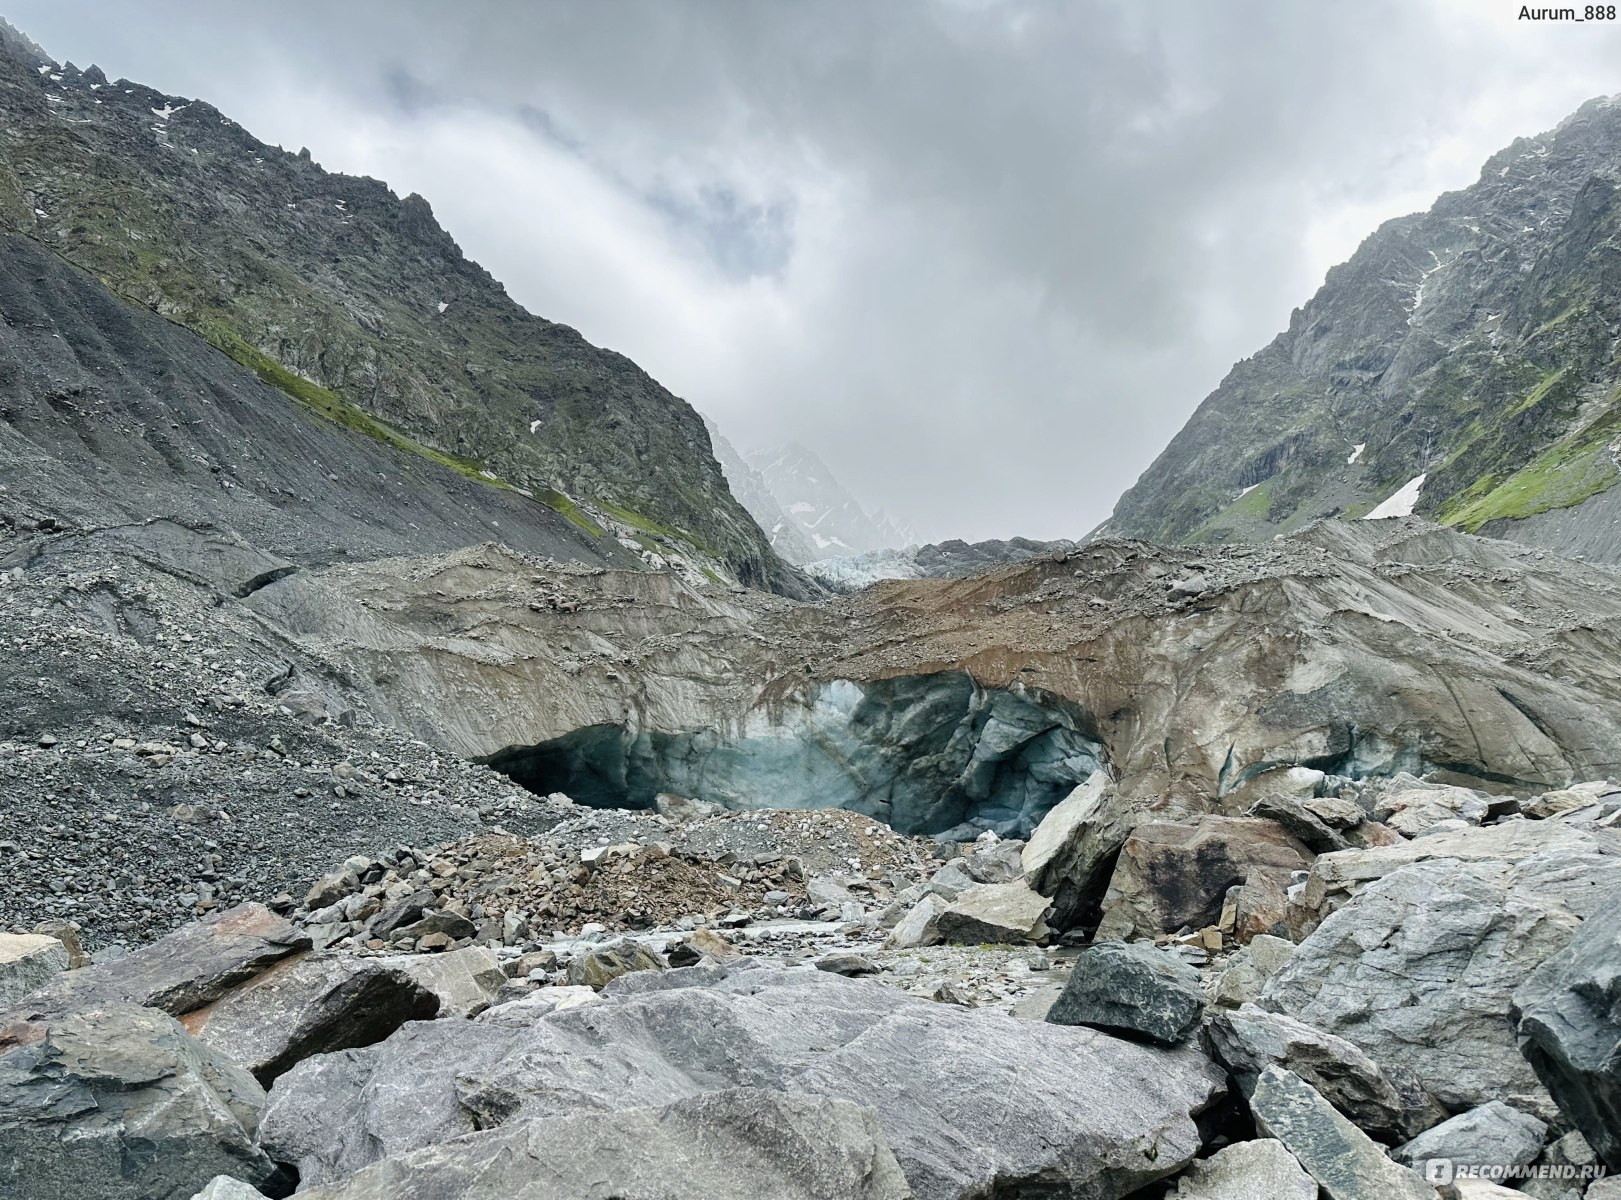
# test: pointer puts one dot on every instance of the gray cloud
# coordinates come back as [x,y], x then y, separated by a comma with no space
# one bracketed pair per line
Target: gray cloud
[983,256]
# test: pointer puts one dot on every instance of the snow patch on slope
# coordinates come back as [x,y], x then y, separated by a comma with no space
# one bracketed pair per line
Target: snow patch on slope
[1401,503]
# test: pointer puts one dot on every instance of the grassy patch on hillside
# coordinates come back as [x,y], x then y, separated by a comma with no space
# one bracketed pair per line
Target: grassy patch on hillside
[565,507]
[647,525]
[1565,474]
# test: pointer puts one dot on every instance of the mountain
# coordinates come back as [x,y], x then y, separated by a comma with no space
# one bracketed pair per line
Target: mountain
[1461,365]
[356,304]
[753,493]
[826,515]
[942,560]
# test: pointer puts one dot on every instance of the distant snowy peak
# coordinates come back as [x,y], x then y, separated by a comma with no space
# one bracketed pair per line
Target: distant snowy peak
[831,520]
[784,533]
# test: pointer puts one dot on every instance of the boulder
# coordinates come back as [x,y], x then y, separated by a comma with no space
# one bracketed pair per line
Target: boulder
[191,967]
[995,912]
[1568,1019]
[1251,1039]
[727,1145]
[1419,969]
[1071,852]
[919,927]
[1135,990]
[1335,878]
[309,1004]
[223,1187]
[1412,806]
[118,1102]
[464,981]
[1493,1134]
[995,860]
[1250,966]
[599,965]
[1345,1162]
[1262,1169]
[1175,874]
[28,961]
[525,1011]
[1301,823]
[970,1100]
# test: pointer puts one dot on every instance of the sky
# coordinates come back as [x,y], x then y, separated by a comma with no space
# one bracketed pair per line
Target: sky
[983,256]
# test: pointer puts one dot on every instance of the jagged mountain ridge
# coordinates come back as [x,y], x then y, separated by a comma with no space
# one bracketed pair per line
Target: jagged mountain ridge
[354,302]
[1473,345]
[753,493]
[820,509]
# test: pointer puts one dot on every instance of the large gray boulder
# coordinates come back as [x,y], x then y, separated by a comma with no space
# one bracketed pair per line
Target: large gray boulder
[191,967]
[1262,1169]
[464,981]
[969,1100]
[1568,1015]
[1336,878]
[28,961]
[726,1145]
[1492,1134]
[118,1102]
[998,913]
[310,1004]
[1176,874]
[1135,990]
[1249,1040]
[1347,1163]
[1419,968]
[1070,854]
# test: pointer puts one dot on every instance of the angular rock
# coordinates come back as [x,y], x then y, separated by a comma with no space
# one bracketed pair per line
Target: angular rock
[970,1100]
[1251,1039]
[191,967]
[1493,1133]
[66,932]
[1247,971]
[739,1144]
[223,1187]
[919,927]
[1568,1018]
[1335,878]
[599,965]
[998,861]
[449,925]
[1347,1163]
[1262,1169]
[1301,823]
[995,912]
[331,888]
[1172,875]
[1070,853]
[118,1102]
[464,981]
[1135,990]
[28,961]
[1411,806]
[1418,970]
[526,1011]
[310,1004]
[847,964]
[1260,908]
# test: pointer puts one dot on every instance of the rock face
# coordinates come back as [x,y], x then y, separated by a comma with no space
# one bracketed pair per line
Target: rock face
[1420,967]
[117,1102]
[726,1145]
[1466,300]
[1492,1133]
[1568,1015]
[1345,1161]
[1089,1112]
[192,967]
[1251,1039]
[310,1004]
[28,961]
[1135,990]
[1172,875]
[301,254]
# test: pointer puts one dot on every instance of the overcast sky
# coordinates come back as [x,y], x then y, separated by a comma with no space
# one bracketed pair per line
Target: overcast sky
[983,256]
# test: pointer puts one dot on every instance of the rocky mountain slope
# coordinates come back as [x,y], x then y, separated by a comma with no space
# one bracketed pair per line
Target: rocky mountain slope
[787,537]
[1461,365]
[355,303]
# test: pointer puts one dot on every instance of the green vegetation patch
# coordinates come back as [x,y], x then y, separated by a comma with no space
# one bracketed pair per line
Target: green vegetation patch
[1563,475]
[647,525]
[563,506]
